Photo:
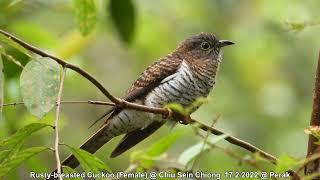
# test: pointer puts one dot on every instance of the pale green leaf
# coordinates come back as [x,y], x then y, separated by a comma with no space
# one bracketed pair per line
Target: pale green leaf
[189,154]
[14,2]
[18,158]
[86,15]
[285,162]
[22,134]
[39,83]
[88,162]
[177,108]
[68,170]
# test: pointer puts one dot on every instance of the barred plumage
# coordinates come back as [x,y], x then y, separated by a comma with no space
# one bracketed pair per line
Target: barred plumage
[180,77]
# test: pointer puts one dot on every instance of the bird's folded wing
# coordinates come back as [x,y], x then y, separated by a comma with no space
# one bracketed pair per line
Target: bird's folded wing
[134,137]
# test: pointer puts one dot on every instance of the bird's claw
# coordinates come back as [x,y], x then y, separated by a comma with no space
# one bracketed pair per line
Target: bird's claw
[177,116]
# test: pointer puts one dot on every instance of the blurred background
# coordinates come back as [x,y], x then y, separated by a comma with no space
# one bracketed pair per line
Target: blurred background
[264,87]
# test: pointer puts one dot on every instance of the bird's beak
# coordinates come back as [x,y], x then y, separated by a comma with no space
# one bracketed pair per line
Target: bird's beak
[223,43]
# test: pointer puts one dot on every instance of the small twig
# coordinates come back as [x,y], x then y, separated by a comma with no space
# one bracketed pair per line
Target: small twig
[243,144]
[69,102]
[64,64]
[205,139]
[56,130]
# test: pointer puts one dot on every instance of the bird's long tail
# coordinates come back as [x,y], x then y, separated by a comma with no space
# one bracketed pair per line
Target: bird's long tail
[95,142]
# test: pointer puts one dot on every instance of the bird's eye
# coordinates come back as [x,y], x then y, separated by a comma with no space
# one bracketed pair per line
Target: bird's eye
[205,45]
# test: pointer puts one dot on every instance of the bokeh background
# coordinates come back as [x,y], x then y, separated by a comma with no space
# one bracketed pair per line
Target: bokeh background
[264,87]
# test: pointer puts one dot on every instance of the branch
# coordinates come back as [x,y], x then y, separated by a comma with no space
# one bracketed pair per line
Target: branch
[63,64]
[69,102]
[128,105]
[56,130]
[313,148]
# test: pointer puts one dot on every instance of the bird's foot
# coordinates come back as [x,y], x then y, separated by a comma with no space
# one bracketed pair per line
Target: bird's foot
[178,116]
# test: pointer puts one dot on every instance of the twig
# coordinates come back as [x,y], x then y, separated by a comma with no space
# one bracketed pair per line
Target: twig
[205,139]
[313,148]
[69,102]
[63,64]
[229,152]
[243,144]
[56,130]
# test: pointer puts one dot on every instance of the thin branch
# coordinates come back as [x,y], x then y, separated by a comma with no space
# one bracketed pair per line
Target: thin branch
[243,144]
[69,102]
[56,129]
[314,166]
[63,64]
[205,139]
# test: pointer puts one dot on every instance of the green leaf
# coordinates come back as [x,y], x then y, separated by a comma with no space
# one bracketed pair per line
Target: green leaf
[147,157]
[192,152]
[14,2]
[17,159]
[88,162]
[194,105]
[39,84]
[296,26]
[68,170]
[163,144]
[85,11]
[7,154]
[7,41]
[177,108]
[285,162]
[22,134]
[123,17]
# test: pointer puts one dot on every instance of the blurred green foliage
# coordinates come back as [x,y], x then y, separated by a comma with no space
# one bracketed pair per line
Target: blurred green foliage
[264,88]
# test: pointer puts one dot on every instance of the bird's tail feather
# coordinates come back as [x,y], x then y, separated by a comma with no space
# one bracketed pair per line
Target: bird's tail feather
[95,142]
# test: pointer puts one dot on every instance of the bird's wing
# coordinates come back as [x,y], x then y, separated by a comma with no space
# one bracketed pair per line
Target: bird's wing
[147,81]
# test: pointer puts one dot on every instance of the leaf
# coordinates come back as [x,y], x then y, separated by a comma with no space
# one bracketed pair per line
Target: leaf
[177,108]
[68,170]
[147,157]
[285,162]
[123,17]
[88,162]
[86,15]
[22,134]
[13,60]
[15,160]
[296,26]
[39,84]
[195,104]
[163,144]
[14,2]
[7,154]
[7,41]
[189,154]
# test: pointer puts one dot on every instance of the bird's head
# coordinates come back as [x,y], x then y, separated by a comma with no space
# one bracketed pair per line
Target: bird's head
[202,47]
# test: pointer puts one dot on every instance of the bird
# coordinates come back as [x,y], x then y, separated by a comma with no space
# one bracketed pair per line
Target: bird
[187,73]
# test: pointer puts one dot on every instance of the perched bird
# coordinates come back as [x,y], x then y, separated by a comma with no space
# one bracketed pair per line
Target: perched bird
[180,77]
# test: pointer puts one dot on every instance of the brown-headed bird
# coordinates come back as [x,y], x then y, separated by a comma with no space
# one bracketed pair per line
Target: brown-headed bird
[180,77]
